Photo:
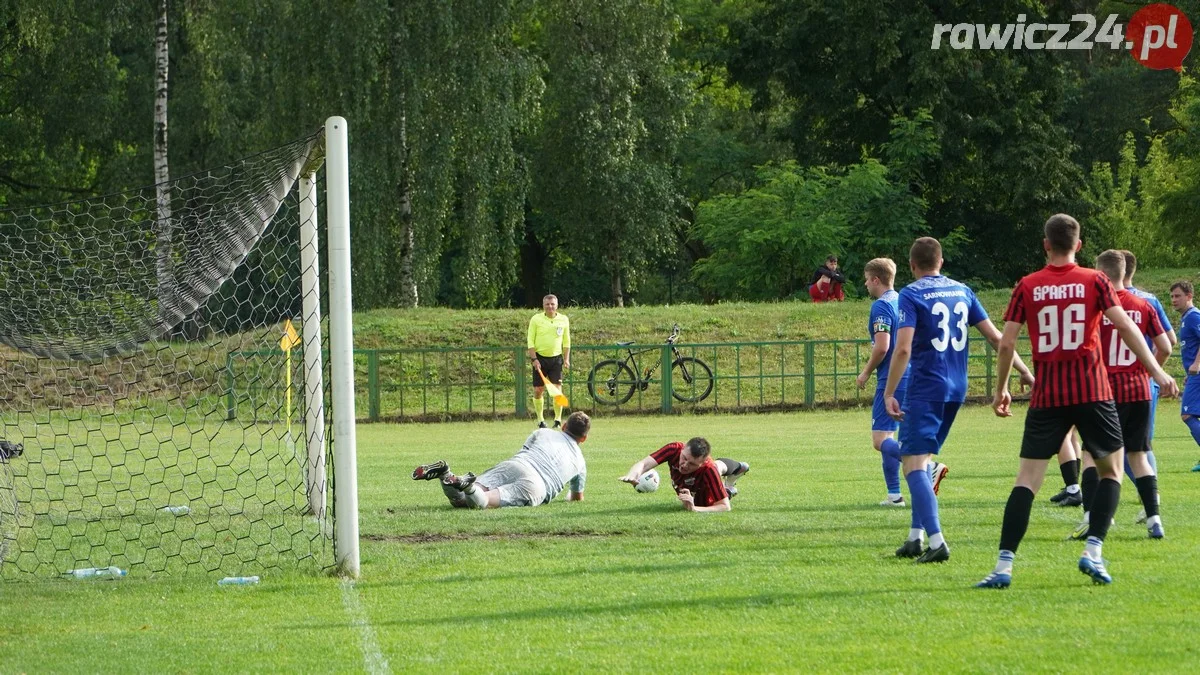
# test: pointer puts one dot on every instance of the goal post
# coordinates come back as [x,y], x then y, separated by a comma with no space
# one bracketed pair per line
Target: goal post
[149,363]
[341,345]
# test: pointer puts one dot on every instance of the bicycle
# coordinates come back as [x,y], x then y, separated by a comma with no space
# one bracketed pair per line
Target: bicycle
[613,381]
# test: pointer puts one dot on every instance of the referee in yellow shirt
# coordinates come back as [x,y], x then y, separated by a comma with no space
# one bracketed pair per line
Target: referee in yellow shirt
[549,343]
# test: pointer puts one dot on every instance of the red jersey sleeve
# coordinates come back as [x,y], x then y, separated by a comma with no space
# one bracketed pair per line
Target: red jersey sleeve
[667,453]
[1106,296]
[1154,326]
[712,489]
[1016,304]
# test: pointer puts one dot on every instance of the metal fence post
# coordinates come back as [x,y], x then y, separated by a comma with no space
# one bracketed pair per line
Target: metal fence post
[810,375]
[373,384]
[666,378]
[522,408]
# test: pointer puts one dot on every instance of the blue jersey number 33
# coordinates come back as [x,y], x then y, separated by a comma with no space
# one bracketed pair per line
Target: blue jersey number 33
[958,342]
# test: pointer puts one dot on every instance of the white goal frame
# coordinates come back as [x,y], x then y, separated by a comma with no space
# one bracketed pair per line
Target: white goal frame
[341,347]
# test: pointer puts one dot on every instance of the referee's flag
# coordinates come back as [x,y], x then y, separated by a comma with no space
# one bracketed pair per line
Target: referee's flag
[560,398]
[556,391]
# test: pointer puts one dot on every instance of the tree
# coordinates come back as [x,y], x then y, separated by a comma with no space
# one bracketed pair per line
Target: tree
[1004,159]
[612,116]
[766,240]
[163,223]
[52,56]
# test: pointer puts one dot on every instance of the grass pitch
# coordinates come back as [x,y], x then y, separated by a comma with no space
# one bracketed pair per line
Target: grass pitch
[800,576]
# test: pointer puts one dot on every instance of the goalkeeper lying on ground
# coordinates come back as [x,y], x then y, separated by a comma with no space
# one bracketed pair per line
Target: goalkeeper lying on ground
[548,461]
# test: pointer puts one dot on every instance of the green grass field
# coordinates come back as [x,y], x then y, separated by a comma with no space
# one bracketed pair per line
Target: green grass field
[800,576]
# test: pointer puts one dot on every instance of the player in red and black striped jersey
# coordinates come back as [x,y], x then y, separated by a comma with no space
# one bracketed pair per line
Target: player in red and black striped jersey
[1131,390]
[1063,305]
[695,475]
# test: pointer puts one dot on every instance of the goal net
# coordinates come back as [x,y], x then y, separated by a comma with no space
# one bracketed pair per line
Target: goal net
[164,380]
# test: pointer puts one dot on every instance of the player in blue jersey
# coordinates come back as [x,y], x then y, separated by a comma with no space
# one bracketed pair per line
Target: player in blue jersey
[879,276]
[1130,268]
[934,315]
[1189,347]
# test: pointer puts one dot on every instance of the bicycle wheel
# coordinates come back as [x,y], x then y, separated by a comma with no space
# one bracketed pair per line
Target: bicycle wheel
[691,379]
[611,382]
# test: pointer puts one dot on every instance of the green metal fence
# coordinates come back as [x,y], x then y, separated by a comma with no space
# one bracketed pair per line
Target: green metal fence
[442,383]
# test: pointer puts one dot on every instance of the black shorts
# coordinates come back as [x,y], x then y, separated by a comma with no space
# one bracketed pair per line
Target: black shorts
[1135,425]
[1098,424]
[551,367]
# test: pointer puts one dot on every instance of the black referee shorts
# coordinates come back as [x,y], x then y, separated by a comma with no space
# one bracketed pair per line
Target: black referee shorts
[1098,424]
[551,368]
[1135,425]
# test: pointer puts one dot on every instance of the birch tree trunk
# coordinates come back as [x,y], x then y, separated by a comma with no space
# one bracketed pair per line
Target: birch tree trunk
[162,175]
[408,281]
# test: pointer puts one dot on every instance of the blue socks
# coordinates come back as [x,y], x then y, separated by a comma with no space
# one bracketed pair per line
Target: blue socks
[890,448]
[891,470]
[924,502]
[1193,425]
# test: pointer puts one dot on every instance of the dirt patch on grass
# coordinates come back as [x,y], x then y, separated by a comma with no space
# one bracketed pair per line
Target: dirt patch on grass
[436,537]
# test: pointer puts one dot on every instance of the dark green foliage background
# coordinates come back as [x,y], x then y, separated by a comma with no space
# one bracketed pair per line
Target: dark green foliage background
[649,151]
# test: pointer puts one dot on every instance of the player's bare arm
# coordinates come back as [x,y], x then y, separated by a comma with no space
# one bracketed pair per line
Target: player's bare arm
[900,358]
[879,350]
[1006,351]
[637,470]
[1134,340]
[1162,348]
[689,503]
[990,333]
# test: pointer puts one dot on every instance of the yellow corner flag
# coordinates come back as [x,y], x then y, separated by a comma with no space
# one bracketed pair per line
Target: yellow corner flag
[290,337]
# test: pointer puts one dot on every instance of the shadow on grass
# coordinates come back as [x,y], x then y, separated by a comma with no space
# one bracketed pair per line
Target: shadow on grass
[637,606]
[555,573]
[441,537]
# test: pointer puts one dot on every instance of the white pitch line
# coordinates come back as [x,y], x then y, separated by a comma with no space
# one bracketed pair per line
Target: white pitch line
[373,658]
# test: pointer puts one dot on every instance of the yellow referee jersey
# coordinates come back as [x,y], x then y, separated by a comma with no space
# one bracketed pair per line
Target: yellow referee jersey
[549,336]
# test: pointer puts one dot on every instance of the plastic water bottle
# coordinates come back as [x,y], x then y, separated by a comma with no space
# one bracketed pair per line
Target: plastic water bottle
[177,510]
[238,581]
[111,572]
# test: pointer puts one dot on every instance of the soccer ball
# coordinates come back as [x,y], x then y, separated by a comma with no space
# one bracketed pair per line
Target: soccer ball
[648,482]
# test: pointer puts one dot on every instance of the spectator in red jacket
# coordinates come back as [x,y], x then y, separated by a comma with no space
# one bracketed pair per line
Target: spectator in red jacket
[826,284]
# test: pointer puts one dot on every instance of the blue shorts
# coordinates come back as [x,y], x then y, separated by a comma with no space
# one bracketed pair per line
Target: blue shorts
[880,420]
[926,425]
[1191,396]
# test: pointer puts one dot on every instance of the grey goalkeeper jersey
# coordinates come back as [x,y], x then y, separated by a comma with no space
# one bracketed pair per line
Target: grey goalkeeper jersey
[557,460]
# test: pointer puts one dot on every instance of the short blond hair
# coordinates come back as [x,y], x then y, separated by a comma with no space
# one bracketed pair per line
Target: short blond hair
[1112,263]
[883,269]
